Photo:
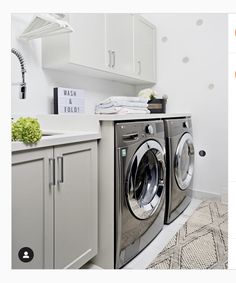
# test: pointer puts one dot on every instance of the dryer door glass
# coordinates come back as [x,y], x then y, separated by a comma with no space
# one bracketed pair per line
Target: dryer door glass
[184,161]
[146,180]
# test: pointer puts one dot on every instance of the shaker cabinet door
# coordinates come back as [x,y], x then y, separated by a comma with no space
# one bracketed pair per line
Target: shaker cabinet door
[87,41]
[144,49]
[32,210]
[119,43]
[75,204]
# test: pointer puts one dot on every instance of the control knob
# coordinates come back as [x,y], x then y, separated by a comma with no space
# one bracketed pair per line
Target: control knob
[149,129]
[185,124]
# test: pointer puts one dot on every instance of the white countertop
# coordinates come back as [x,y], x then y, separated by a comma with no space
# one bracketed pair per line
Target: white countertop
[56,138]
[82,127]
[128,117]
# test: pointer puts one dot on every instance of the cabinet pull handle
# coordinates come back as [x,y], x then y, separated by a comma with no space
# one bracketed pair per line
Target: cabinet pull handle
[139,67]
[109,59]
[52,181]
[114,59]
[60,169]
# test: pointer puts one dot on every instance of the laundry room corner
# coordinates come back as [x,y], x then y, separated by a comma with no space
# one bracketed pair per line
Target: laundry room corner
[119,140]
[192,71]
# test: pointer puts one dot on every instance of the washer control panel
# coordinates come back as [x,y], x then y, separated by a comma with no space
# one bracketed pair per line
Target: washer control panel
[127,133]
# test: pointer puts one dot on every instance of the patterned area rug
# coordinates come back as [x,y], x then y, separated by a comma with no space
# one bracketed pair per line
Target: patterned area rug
[202,242]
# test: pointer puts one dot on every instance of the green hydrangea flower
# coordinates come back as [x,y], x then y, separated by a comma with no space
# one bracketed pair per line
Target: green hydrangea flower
[26,130]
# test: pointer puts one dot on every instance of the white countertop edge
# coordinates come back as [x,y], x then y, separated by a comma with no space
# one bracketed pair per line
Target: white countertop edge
[128,117]
[59,139]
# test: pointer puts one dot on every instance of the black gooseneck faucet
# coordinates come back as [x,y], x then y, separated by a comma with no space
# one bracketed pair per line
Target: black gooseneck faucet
[23,71]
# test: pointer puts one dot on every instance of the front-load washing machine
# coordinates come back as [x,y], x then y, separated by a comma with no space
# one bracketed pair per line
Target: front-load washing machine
[180,166]
[139,186]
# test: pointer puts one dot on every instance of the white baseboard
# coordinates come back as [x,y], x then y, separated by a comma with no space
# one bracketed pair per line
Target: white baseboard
[205,195]
[224,196]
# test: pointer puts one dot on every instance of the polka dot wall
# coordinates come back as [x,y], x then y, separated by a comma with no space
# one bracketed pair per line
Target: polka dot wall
[192,71]
[232,138]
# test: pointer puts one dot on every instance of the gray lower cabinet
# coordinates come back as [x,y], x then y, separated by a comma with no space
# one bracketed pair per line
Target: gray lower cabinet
[54,206]
[32,208]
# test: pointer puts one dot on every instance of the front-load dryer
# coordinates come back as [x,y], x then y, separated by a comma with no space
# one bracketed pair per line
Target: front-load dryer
[180,166]
[139,186]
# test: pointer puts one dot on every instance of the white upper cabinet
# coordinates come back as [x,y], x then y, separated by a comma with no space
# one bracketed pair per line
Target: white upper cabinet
[85,46]
[113,46]
[87,42]
[119,43]
[144,49]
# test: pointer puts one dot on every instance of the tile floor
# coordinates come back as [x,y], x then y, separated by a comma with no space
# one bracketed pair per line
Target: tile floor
[142,260]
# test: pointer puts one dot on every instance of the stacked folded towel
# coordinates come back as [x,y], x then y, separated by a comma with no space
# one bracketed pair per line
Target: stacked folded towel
[123,105]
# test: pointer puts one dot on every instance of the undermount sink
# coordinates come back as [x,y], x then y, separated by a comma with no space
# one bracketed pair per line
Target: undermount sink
[45,135]
[49,134]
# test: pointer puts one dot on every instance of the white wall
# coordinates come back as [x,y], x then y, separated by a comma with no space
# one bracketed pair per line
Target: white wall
[203,39]
[40,82]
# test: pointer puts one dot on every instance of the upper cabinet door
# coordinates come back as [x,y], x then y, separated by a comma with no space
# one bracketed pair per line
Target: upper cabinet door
[144,49]
[87,42]
[119,43]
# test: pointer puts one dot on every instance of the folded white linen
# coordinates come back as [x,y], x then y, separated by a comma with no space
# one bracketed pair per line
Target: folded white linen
[124,98]
[127,110]
[122,110]
[122,103]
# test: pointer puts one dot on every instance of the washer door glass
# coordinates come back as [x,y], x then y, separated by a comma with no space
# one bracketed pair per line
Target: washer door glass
[184,161]
[146,180]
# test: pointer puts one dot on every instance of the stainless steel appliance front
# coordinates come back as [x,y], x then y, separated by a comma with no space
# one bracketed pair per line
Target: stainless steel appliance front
[140,186]
[180,166]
